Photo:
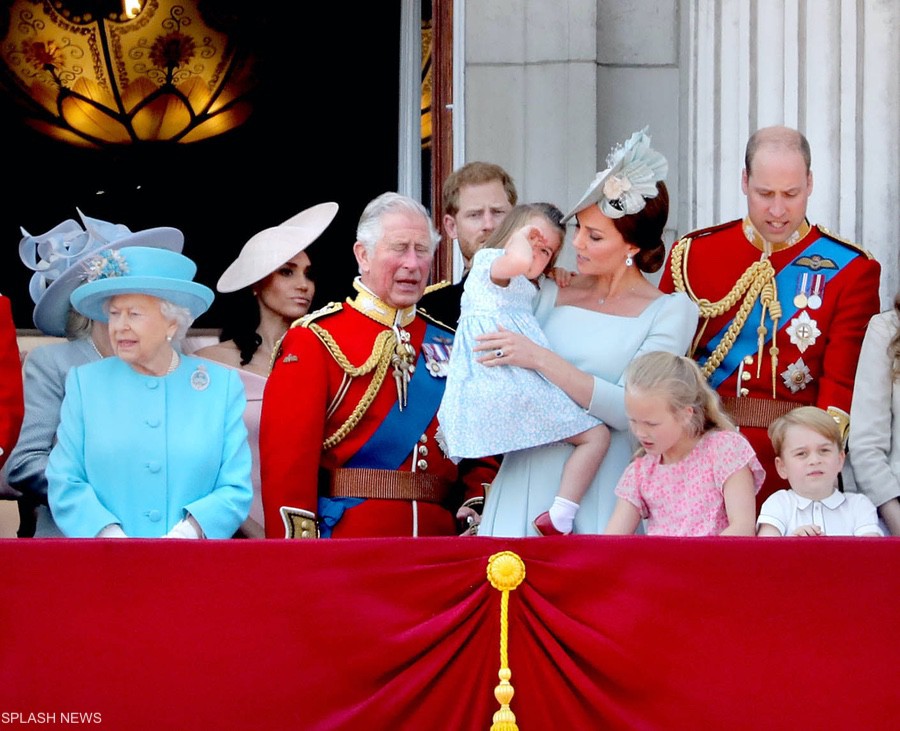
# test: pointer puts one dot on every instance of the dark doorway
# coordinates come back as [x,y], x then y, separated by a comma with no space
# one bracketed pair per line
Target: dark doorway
[324,128]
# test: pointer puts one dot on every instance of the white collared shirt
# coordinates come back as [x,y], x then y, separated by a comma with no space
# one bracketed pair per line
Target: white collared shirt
[840,514]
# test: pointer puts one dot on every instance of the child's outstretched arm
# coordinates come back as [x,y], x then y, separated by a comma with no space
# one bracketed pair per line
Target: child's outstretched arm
[517,255]
[740,503]
[624,520]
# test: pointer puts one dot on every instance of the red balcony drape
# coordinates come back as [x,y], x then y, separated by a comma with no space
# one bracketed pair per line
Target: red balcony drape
[612,633]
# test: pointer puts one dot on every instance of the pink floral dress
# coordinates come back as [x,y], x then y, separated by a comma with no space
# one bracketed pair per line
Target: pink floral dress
[685,498]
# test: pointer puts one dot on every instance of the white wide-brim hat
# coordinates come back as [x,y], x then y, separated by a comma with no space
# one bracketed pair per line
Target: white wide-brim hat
[141,270]
[57,257]
[272,247]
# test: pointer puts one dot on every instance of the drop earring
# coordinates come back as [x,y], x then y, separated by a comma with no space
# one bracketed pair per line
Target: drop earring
[629,260]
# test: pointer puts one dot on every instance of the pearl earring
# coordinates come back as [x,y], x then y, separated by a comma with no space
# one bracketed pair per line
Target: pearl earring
[168,338]
[629,260]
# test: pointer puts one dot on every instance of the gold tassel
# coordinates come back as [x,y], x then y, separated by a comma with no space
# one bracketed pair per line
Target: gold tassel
[775,314]
[505,571]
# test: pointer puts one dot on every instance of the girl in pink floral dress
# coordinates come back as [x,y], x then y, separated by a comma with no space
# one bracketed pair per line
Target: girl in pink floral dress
[694,474]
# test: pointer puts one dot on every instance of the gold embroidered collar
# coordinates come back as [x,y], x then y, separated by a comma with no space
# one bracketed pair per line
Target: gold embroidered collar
[756,238]
[377,309]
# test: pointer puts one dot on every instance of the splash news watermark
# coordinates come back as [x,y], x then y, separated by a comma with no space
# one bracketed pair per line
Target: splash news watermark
[37,718]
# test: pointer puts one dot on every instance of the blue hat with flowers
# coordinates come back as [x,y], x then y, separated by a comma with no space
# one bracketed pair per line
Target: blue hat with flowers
[55,256]
[140,270]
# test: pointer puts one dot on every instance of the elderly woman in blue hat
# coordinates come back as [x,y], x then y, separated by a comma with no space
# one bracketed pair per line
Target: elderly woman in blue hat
[56,258]
[151,443]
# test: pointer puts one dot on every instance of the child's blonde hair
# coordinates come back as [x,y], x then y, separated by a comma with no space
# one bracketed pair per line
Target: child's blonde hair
[519,216]
[811,417]
[681,382]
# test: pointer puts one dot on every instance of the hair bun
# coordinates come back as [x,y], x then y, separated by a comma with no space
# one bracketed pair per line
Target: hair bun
[650,260]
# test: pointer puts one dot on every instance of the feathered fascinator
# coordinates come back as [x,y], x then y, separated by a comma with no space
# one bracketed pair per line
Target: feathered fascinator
[630,178]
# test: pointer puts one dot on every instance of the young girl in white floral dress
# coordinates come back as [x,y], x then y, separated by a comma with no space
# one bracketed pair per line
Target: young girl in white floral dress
[493,411]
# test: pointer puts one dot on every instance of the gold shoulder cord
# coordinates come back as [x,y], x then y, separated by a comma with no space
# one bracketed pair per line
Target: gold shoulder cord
[379,359]
[758,279]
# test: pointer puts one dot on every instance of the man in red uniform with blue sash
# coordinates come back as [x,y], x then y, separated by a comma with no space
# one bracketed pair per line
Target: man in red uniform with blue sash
[349,440]
[783,305]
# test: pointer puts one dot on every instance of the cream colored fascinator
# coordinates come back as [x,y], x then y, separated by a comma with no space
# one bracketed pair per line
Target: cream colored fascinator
[631,175]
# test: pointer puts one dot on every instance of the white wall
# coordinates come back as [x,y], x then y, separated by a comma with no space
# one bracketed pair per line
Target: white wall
[550,85]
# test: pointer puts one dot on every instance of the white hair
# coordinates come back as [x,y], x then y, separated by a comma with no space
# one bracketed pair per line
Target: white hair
[370,228]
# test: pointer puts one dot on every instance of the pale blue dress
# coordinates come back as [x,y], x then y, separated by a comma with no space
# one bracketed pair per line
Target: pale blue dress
[602,345]
[494,410]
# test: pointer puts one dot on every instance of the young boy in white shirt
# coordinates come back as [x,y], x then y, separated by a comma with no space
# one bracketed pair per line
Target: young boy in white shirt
[809,455]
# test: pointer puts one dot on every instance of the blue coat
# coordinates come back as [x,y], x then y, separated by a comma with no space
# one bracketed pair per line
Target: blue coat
[143,451]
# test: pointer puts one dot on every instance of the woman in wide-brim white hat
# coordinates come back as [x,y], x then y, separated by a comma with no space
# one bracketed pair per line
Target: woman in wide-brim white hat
[151,443]
[275,269]
[273,274]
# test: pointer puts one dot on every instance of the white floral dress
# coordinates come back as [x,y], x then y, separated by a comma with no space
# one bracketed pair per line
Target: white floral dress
[494,410]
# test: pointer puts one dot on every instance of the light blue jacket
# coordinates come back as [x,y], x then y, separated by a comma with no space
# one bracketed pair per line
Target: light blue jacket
[142,451]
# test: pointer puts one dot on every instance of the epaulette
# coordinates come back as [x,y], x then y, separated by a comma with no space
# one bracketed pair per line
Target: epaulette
[436,286]
[849,244]
[309,317]
[432,319]
[713,229]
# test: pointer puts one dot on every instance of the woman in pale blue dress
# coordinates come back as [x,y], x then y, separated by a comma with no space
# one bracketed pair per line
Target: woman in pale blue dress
[608,314]
[490,411]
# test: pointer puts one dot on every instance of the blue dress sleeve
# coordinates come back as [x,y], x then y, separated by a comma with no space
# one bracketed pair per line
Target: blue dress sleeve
[75,506]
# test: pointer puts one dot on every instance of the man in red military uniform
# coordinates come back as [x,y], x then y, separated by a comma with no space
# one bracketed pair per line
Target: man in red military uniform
[783,304]
[349,442]
[12,404]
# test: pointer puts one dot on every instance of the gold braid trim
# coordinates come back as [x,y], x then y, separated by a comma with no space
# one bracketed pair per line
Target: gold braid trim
[756,277]
[379,359]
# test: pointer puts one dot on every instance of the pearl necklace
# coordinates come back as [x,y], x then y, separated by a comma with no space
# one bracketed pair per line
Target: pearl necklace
[174,363]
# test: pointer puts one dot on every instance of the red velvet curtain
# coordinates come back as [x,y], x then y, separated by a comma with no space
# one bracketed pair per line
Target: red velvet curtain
[613,633]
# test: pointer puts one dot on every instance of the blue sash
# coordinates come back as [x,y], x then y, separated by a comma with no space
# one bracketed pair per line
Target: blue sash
[747,342]
[393,441]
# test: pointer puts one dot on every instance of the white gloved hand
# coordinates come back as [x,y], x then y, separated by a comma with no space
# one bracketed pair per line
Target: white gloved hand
[113,530]
[182,529]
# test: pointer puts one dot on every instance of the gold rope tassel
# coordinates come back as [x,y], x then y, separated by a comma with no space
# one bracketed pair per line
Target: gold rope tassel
[505,571]
[775,314]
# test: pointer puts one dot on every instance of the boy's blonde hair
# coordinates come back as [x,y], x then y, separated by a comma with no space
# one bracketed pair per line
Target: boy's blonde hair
[681,382]
[811,417]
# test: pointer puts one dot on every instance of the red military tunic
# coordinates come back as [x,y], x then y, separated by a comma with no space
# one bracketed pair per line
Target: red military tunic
[12,404]
[824,291]
[319,415]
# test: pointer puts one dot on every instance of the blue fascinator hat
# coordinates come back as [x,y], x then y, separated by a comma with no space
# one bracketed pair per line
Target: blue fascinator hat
[140,270]
[55,258]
